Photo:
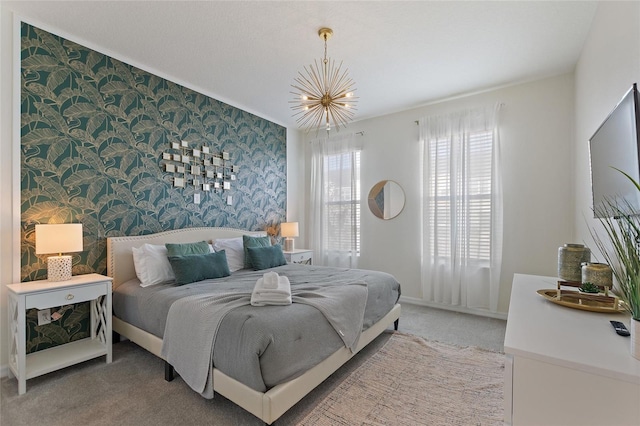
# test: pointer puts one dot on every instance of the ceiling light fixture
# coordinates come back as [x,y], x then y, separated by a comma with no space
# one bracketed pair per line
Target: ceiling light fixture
[324,93]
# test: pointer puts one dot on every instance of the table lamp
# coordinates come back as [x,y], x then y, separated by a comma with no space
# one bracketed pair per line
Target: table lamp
[288,230]
[59,238]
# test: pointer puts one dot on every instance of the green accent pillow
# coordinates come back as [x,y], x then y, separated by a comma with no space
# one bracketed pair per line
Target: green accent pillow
[250,242]
[188,248]
[266,257]
[197,267]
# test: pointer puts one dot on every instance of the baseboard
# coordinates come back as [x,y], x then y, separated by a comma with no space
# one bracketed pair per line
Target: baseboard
[479,312]
[4,370]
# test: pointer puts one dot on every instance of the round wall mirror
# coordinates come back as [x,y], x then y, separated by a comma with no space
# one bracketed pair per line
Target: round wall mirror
[386,199]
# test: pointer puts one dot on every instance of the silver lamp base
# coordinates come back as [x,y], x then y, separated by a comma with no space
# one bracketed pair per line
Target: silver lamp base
[288,244]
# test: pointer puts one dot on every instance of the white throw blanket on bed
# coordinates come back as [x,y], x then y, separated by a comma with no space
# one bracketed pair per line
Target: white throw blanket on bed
[193,322]
[271,289]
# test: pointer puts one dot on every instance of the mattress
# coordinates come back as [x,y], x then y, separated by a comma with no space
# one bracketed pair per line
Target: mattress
[261,346]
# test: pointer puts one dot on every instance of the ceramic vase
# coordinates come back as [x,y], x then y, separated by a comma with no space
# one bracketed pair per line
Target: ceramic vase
[570,260]
[634,326]
[599,274]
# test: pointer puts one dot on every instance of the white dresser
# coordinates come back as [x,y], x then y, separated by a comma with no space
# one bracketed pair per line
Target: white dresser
[566,366]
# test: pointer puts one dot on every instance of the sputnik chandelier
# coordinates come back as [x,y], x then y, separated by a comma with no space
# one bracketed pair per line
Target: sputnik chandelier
[324,93]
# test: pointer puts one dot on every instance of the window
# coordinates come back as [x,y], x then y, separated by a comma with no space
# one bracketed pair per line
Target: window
[335,200]
[462,199]
[462,208]
[342,205]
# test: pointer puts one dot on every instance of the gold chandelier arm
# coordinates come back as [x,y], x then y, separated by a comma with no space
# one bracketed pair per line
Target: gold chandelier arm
[343,84]
[311,118]
[317,78]
[340,115]
[334,73]
[308,84]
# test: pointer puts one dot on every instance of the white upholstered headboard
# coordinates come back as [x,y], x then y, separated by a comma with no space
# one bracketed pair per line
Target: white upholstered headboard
[120,257]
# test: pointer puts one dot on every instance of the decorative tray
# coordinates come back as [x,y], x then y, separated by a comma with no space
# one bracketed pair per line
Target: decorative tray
[584,301]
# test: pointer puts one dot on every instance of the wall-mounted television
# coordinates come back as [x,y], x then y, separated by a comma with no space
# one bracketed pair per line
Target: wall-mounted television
[616,145]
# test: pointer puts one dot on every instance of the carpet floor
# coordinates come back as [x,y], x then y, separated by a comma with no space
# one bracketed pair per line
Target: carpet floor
[410,381]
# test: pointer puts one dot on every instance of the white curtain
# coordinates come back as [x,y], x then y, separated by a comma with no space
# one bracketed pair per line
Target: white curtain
[335,200]
[462,209]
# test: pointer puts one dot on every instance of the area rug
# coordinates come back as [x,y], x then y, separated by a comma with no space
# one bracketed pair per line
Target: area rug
[410,381]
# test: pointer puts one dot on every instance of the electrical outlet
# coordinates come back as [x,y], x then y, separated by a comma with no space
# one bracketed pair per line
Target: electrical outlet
[44,316]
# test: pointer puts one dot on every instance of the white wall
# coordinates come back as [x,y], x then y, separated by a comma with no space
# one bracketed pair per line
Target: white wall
[537,135]
[608,66]
[7,272]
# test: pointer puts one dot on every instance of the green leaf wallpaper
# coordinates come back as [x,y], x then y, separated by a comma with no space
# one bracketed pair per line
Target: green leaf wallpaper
[93,130]
[73,325]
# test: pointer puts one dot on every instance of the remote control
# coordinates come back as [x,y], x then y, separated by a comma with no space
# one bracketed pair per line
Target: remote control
[620,328]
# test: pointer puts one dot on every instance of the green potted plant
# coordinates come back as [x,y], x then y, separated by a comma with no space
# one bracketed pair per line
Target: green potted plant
[589,288]
[622,252]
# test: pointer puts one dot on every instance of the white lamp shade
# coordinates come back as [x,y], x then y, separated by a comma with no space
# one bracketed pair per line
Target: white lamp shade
[59,238]
[289,229]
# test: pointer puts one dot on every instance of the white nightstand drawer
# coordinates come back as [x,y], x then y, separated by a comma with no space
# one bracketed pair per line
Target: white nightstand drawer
[299,257]
[65,296]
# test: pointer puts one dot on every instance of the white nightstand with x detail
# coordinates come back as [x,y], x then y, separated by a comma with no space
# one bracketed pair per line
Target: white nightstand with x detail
[46,294]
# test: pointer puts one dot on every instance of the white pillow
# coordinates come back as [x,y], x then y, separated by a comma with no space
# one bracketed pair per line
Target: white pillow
[234,249]
[152,265]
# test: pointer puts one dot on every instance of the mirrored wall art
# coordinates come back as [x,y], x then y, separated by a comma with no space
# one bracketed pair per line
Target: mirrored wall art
[200,167]
[386,199]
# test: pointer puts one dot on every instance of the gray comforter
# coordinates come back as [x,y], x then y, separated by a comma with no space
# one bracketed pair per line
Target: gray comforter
[192,325]
[262,346]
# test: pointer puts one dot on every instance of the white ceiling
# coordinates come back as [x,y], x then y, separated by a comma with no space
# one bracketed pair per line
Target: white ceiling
[400,54]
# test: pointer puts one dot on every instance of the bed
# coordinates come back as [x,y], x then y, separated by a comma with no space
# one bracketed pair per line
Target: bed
[272,395]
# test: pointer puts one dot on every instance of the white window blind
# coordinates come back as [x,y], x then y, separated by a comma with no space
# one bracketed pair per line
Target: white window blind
[461,197]
[342,204]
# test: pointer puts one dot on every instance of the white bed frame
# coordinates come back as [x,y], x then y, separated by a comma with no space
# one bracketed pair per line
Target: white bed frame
[268,406]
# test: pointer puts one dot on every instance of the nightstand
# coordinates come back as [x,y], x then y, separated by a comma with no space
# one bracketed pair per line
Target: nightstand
[47,294]
[301,256]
